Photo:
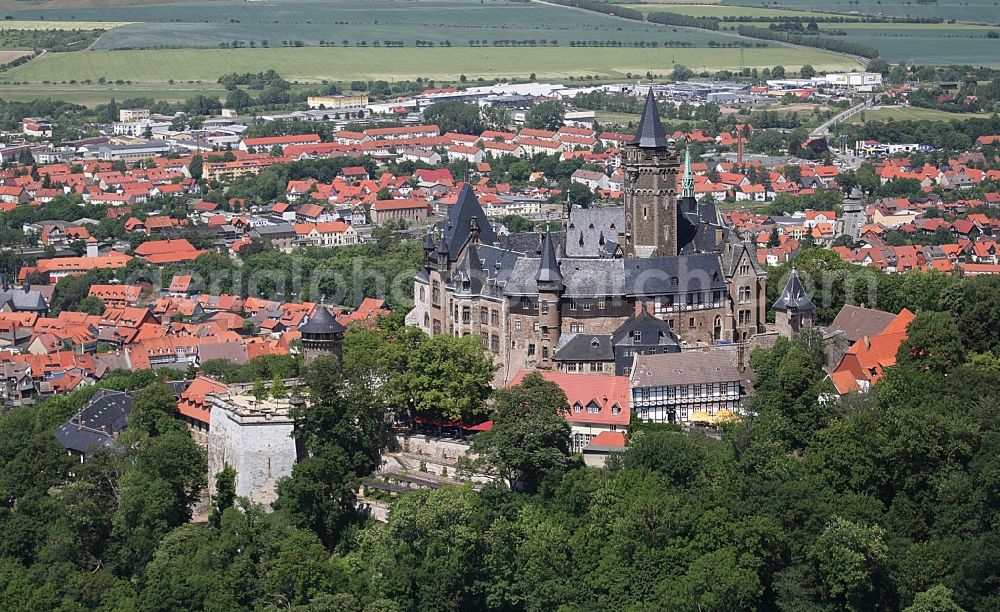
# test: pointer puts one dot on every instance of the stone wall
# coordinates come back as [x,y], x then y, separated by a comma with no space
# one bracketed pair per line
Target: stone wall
[260,452]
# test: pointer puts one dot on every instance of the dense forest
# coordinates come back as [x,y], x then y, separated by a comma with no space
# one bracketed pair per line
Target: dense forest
[881,502]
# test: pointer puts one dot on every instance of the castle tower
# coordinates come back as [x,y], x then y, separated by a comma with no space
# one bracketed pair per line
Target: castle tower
[322,334]
[550,288]
[651,166]
[794,312]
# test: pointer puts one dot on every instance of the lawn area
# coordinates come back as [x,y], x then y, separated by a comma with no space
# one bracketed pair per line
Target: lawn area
[911,113]
[607,117]
[342,64]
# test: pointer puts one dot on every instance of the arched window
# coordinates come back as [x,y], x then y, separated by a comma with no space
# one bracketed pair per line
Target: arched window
[427,320]
[422,294]
[717,334]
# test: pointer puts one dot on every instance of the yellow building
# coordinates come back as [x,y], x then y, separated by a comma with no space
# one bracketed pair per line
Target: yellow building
[338,102]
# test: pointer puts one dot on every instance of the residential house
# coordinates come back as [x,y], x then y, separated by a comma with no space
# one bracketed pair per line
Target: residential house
[689,388]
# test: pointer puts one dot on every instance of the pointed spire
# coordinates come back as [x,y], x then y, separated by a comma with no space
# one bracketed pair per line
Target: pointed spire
[428,242]
[794,295]
[687,181]
[443,246]
[548,266]
[650,134]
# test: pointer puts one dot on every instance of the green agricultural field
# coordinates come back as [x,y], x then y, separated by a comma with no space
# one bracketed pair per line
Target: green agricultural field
[973,11]
[11,24]
[910,113]
[323,22]
[927,44]
[315,64]
[92,95]
[717,10]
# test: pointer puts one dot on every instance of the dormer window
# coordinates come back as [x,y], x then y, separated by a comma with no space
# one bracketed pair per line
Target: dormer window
[637,336]
[595,343]
[616,409]
[593,408]
[577,407]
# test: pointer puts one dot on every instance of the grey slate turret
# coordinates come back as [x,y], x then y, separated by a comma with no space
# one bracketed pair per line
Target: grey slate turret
[322,334]
[650,134]
[794,311]
[548,266]
[322,322]
[794,295]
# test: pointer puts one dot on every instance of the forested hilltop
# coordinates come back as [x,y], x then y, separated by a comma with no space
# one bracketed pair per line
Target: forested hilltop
[881,502]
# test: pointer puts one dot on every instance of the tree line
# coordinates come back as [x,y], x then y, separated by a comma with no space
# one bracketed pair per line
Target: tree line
[885,501]
[819,42]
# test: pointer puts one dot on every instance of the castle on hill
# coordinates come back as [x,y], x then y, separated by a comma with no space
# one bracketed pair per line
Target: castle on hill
[654,276]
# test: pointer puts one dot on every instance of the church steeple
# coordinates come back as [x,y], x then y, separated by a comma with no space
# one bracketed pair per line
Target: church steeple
[687,181]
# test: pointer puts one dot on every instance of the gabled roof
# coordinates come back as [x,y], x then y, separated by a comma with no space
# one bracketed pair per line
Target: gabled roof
[650,134]
[460,222]
[583,390]
[651,331]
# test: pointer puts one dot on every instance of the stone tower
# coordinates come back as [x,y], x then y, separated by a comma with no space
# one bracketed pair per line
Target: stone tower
[651,166]
[550,288]
[322,334]
[794,312]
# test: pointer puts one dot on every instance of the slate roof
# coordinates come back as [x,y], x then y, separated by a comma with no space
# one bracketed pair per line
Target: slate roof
[548,266]
[23,300]
[593,232]
[696,226]
[529,243]
[486,268]
[322,322]
[458,226]
[585,347]
[105,415]
[734,251]
[666,275]
[857,322]
[277,229]
[650,134]
[668,369]
[581,277]
[652,331]
[794,295]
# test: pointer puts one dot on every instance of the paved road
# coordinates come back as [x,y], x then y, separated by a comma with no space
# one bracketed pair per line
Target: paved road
[824,129]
